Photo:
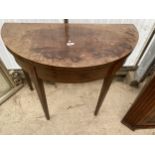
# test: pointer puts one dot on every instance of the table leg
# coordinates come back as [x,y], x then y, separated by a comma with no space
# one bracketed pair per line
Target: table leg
[107,82]
[105,86]
[41,93]
[28,80]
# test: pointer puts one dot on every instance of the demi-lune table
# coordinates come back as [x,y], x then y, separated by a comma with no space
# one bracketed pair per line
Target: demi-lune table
[69,53]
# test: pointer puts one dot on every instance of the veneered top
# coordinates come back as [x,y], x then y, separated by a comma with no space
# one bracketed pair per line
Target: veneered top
[70,45]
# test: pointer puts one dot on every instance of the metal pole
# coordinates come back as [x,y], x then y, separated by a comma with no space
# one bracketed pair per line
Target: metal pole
[65,21]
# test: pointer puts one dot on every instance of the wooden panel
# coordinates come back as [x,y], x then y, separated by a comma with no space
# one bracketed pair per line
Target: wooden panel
[142,112]
[149,119]
[67,75]
[75,76]
[25,64]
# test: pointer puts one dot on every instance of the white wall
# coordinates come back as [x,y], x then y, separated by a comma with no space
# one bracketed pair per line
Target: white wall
[144,27]
[146,61]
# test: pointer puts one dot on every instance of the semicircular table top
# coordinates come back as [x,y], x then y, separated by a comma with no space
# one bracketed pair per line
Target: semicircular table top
[70,45]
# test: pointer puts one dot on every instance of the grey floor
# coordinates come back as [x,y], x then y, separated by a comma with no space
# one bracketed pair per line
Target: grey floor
[71,109]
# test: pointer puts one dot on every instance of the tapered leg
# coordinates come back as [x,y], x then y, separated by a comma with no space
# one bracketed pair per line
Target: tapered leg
[105,86]
[28,80]
[41,93]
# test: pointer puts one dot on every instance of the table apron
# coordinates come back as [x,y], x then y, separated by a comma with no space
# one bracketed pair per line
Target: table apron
[66,75]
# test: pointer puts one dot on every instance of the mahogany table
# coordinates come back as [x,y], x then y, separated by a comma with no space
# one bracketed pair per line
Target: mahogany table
[69,53]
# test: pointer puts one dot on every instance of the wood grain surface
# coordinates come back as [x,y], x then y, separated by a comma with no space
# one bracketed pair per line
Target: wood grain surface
[142,113]
[70,45]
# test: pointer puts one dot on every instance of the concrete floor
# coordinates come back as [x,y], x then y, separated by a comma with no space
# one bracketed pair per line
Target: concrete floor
[71,109]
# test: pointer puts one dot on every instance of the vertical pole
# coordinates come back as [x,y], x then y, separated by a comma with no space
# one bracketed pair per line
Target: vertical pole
[65,21]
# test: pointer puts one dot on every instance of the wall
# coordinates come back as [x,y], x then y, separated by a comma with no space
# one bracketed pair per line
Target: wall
[146,62]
